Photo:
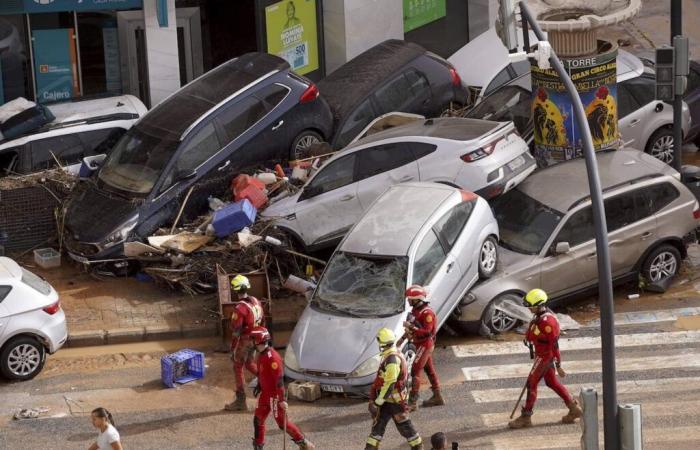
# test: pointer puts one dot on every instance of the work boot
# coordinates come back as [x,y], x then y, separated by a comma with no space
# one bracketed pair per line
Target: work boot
[524,421]
[238,404]
[305,444]
[435,400]
[575,412]
[413,398]
[257,446]
[371,447]
[418,447]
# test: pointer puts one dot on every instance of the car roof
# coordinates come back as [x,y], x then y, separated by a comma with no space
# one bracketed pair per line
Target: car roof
[9,268]
[86,109]
[391,224]
[563,185]
[348,85]
[452,128]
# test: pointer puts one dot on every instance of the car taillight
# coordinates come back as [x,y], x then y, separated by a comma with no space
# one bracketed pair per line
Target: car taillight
[456,80]
[696,210]
[481,152]
[310,94]
[52,309]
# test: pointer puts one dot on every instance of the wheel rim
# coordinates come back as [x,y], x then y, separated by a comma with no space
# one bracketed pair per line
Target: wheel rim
[501,321]
[487,259]
[663,266]
[23,360]
[305,142]
[663,149]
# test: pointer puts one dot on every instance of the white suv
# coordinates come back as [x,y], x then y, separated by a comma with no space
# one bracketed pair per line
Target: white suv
[32,322]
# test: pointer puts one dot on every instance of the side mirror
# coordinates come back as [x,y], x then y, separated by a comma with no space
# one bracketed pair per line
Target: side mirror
[561,248]
[185,174]
[659,107]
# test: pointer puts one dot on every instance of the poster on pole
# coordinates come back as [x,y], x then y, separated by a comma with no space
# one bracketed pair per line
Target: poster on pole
[417,13]
[55,65]
[292,33]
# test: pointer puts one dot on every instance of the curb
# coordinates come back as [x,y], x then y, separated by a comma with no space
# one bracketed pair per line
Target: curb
[91,338]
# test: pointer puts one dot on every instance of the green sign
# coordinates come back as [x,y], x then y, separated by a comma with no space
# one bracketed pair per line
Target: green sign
[292,34]
[417,13]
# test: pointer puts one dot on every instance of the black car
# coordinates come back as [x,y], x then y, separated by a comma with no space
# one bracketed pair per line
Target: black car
[392,76]
[250,111]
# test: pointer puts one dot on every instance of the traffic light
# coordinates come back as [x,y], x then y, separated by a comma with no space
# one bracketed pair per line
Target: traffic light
[665,74]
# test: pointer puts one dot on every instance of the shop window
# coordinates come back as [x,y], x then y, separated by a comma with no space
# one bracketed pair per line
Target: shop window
[441,26]
[16,78]
[99,53]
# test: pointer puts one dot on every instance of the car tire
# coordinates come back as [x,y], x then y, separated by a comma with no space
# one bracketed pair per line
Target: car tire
[661,264]
[22,358]
[488,258]
[496,320]
[302,142]
[660,145]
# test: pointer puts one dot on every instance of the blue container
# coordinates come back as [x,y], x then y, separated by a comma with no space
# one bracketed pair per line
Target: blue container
[233,218]
[182,367]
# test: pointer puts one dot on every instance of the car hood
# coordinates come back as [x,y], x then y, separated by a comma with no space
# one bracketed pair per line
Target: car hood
[339,344]
[94,214]
[281,208]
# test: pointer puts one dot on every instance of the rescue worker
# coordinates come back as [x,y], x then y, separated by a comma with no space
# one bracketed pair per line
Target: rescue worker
[272,393]
[387,397]
[421,328]
[543,334]
[247,314]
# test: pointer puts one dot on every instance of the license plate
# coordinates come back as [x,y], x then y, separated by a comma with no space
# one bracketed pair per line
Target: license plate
[332,388]
[516,163]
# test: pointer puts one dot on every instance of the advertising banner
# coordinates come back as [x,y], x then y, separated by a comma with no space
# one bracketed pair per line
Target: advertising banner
[555,133]
[417,13]
[55,65]
[292,34]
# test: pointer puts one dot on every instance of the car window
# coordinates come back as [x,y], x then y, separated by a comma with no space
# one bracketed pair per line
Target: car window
[500,79]
[429,258]
[693,81]
[4,290]
[418,83]
[510,103]
[657,197]
[620,211]
[66,148]
[578,229]
[200,148]
[521,67]
[382,158]
[626,104]
[335,175]
[9,160]
[236,119]
[273,95]
[100,141]
[357,121]
[393,95]
[421,149]
[642,89]
[450,226]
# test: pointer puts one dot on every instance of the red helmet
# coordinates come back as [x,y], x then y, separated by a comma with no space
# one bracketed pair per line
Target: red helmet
[416,292]
[260,336]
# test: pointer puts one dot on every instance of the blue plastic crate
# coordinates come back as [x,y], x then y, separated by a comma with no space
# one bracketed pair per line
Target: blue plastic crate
[182,367]
[233,218]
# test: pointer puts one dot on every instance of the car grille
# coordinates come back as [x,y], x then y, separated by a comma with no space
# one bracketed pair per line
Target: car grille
[78,247]
[317,373]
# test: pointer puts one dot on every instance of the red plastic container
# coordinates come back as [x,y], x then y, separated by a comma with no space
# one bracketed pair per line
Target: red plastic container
[253,194]
[243,181]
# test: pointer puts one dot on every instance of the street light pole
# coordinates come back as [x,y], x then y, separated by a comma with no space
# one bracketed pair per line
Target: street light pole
[605,291]
[677,30]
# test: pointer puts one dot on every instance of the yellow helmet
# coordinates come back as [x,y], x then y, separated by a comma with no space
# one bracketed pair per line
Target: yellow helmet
[240,283]
[536,297]
[385,337]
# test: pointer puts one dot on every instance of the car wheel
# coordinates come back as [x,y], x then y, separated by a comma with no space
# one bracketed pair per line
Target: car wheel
[661,264]
[302,142]
[22,358]
[498,321]
[488,258]
[660,145]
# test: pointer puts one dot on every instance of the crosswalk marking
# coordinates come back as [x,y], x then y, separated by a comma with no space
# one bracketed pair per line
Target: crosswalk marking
[623,387]
[580,343]
[688,360]
[639,317]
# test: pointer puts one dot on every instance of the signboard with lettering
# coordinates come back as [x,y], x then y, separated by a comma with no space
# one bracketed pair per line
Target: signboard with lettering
[43,6]
[55,65]
[417,13]
[292,33]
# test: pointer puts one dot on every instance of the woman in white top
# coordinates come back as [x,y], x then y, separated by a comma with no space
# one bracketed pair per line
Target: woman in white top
[108,438]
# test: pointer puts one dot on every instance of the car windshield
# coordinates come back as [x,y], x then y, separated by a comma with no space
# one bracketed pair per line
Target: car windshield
[35,282]
[362,286]
[525,224]
[137,160]
[510,103]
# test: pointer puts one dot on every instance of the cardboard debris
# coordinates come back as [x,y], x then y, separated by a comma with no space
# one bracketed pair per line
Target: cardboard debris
[134,249]
[158,241]
[186,242]
[247,239]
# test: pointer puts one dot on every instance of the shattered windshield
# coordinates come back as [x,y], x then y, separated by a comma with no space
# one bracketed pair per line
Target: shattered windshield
[362,286]
[137,160]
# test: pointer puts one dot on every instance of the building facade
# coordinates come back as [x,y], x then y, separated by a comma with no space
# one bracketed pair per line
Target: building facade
[58,50]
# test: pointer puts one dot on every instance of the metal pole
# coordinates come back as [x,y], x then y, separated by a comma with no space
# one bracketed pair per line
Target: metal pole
[677,30]
[605,291]
[526,34]
[589,422]
[631,427]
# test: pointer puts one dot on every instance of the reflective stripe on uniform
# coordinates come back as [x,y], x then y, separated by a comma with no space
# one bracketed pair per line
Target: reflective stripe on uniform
[256,310]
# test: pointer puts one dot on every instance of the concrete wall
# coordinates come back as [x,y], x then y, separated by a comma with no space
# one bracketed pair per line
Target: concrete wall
[482,16]
[162,53]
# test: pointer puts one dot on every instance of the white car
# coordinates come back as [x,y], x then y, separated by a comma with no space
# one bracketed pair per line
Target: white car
[32,322]
[485,157]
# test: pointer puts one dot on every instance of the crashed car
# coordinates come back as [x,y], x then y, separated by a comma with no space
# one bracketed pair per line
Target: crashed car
[488,158]
[547,234]
[250,111]
[416,233]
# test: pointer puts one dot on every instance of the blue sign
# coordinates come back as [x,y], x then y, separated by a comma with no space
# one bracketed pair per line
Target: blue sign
[53,65]
[43,6]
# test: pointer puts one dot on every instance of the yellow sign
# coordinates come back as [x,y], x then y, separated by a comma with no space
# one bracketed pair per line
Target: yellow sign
[292,34]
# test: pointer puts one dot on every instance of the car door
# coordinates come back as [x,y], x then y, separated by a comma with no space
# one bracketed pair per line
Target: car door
[245,143]
[406,92]
[4,313]
[629,117]
[692,94]
[277,132]
[355,122]
[382,166]
[329,206]
[650,116]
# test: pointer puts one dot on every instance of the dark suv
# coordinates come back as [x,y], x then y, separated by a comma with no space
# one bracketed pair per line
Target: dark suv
[250,111]
[392,76]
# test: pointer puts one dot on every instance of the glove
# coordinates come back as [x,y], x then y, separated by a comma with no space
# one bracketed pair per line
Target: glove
[283,405]
[372,408]
[561,372]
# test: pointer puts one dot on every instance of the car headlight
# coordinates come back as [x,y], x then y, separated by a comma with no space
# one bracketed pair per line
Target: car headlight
[121,233]
[290,359]
[368,367]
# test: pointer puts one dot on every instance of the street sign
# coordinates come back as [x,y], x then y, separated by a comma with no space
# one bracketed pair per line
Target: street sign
[665,59]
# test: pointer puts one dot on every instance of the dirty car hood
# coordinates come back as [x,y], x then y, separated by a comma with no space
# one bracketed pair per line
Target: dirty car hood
[339,344]
[94,214]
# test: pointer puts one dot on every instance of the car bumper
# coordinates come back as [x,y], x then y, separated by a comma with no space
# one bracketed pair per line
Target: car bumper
[509,177]
[56,331]
[355,386]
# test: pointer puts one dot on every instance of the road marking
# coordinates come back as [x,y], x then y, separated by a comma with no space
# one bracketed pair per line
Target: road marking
[662,315]
[580,343]
[688,360]
[623,387]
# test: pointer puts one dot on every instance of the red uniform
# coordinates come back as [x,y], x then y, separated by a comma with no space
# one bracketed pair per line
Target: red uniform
[543,334]
[248,314]
[271,384]
[423,318]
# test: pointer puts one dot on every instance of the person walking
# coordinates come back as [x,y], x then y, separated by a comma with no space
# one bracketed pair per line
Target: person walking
[272,393]
[543,335]
[387,398]
[247,314]
[108,437]
[421,329]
